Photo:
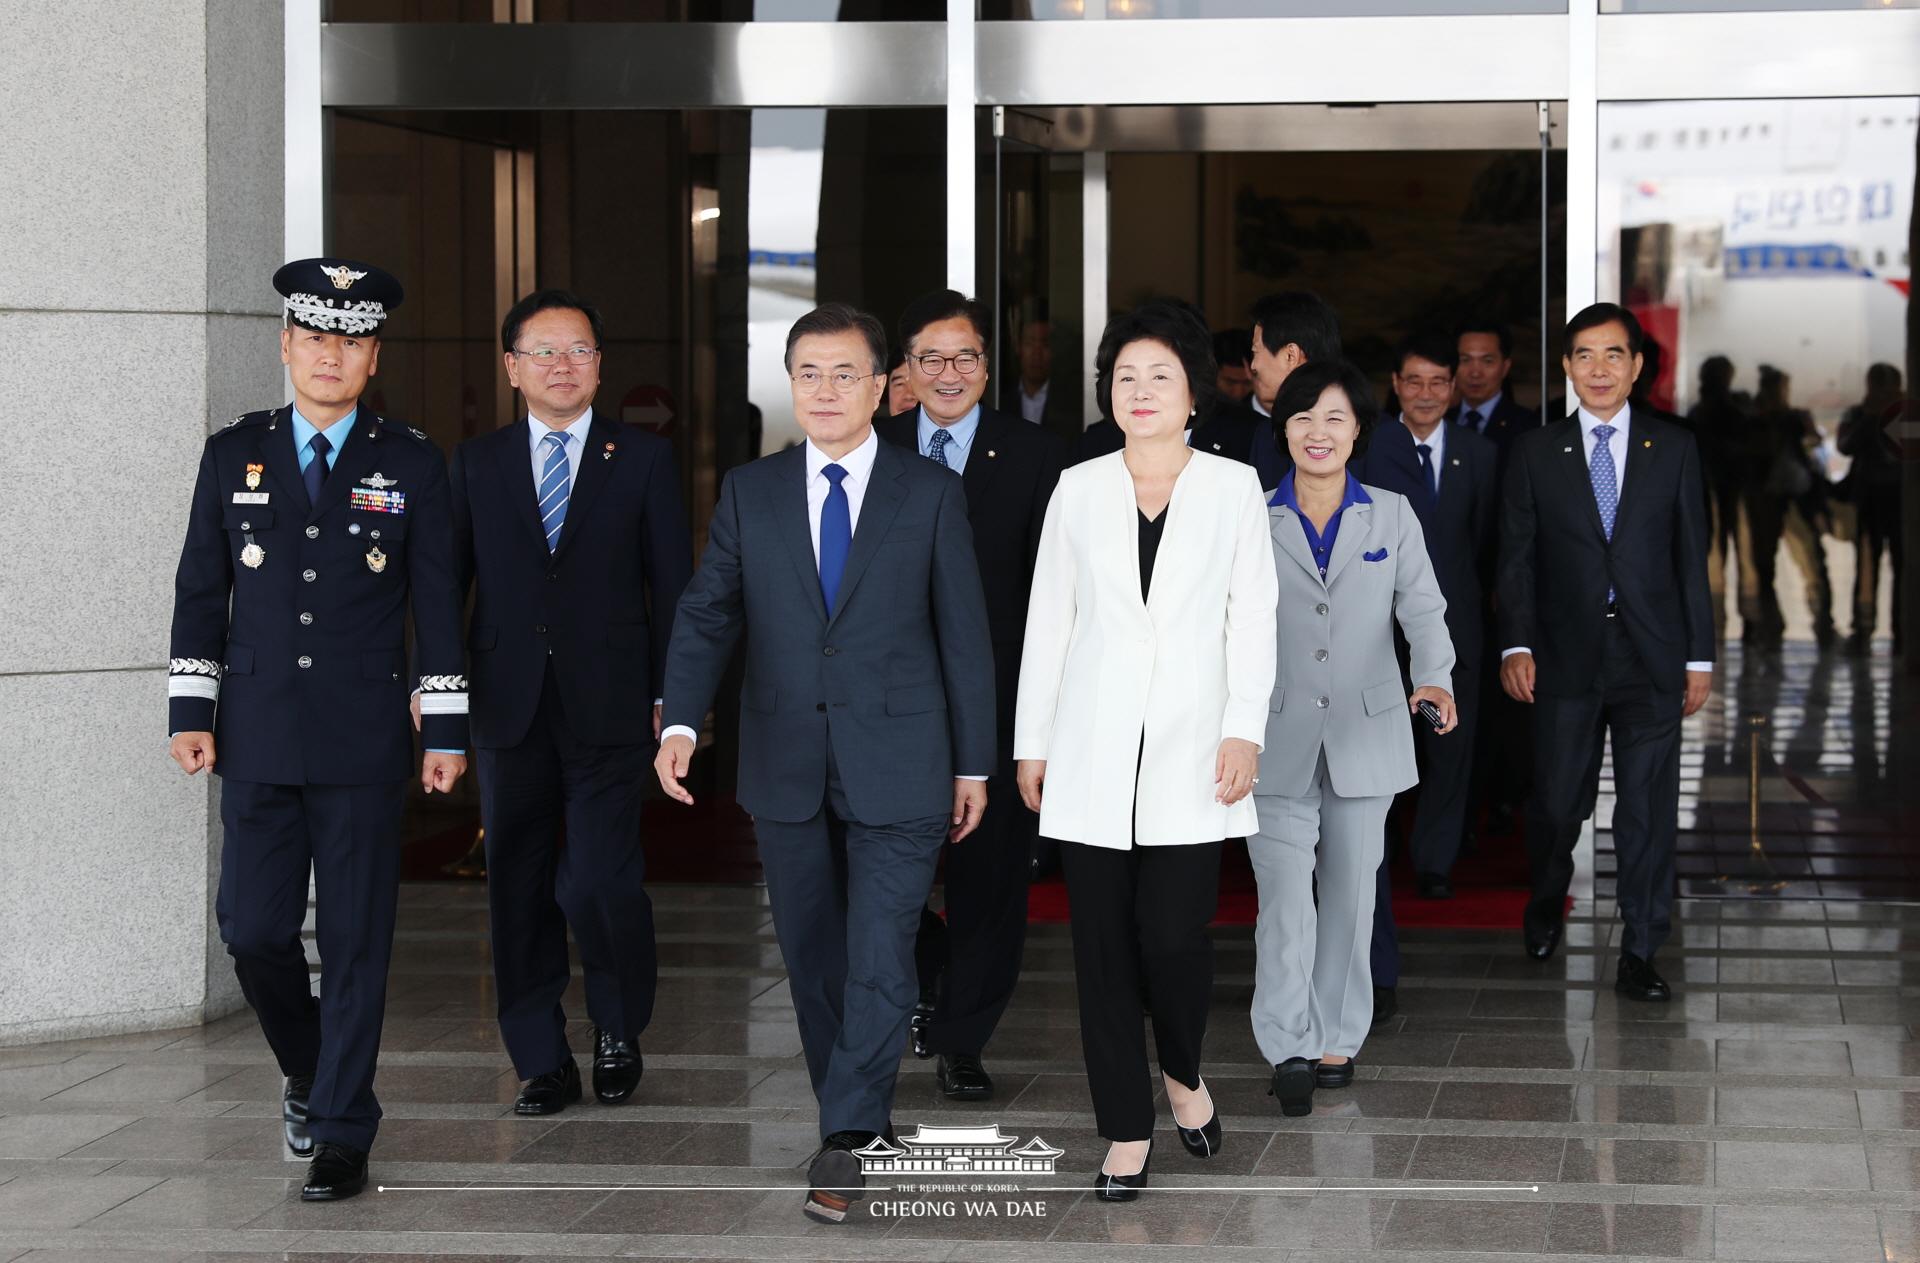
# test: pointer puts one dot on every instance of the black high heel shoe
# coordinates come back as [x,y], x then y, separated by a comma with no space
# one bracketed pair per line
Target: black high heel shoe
[1202,1141]
[1293,1084]
[1123,1188]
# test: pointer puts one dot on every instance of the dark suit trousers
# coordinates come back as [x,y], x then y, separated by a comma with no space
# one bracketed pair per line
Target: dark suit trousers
[1139,924]
[1645,725]
[1383,953]
[350,836]
[847,899]
[536,888]
[1446,778]
[977,952]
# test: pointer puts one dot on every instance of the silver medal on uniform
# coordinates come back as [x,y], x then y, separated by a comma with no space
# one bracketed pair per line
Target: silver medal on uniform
[376,560]
[252,555]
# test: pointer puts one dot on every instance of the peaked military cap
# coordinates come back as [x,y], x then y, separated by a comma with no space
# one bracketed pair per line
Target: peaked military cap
[338,295]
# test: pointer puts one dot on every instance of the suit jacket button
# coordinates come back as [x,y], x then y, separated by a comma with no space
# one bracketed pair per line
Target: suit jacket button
[306,619]
[309,575]
[305,662]
[540,628]
[1320,608]
[1322,702]
[828,651]
[821,707]
[552,575]
[1319,655]
[313,532]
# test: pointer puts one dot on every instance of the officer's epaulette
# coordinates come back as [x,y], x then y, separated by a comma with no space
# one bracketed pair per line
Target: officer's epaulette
[395,427]
[245,420]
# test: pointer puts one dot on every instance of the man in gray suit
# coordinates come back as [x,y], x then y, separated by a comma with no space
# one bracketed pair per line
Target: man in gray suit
[866,713]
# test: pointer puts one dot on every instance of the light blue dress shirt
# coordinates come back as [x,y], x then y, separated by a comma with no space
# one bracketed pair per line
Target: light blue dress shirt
[961,432]
[304,430]
[576,447]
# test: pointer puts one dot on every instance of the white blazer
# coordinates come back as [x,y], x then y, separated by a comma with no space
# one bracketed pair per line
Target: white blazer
[1186,669]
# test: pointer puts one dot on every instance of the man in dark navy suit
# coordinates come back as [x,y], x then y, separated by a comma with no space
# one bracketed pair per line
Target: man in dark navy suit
[1607,626]
[843,569]
[1009,468]
[1289,328]
[315,529]
[1503,739]
[568,525]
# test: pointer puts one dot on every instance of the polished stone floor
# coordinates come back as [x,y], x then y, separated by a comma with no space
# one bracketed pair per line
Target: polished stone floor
[1511,1109]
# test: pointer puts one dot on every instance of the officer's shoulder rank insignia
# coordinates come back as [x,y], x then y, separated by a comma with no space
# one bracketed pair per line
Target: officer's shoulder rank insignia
[236,421]
[417,433]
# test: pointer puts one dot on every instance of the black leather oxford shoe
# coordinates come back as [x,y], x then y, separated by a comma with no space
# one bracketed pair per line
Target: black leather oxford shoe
[617,1067]
[1540,943]
[834,1177]
[293,1114]
[1637,979]
[962,1077]
[1386,1003]
[551,1092]
[336,1173]
[1434,885]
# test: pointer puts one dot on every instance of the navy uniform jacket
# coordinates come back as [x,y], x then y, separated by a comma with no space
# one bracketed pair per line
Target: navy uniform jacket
[304,656]
[599,607]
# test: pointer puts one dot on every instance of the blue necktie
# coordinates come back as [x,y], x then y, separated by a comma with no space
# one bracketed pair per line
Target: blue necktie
[315,474]
[836,535]
[553,488]
[1474,419]
[1426,466]
[1606,483]
[939,453]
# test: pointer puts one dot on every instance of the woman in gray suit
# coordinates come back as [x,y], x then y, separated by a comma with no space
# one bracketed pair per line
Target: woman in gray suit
[1350,561]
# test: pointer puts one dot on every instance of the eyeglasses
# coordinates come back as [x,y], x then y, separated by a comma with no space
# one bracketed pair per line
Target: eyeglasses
[933,364]
[808,380]
[547,357]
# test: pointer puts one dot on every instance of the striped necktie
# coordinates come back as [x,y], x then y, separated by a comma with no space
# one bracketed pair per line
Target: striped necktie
[553,488]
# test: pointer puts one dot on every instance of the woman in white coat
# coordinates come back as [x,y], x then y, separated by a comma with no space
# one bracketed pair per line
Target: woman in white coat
[1351,562]
[1143,703]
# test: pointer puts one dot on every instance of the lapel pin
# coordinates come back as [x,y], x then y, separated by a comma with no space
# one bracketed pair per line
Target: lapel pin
[991,453]
[608,454]
[1646,442]
[1566,449]
[1454,461]
[253,476]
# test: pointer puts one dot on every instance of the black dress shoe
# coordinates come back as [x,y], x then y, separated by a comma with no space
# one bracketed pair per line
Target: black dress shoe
[1540,943]
[1333,1076]
[1636,979]
[1123,1188]
[919,1026]
[617,1067]
[1202,1141]
[1386,1003]
[962,1077]
[1293,1084]
[293,1114]
[551,1092]
[834,1178]
[1434,885]
[336,1173]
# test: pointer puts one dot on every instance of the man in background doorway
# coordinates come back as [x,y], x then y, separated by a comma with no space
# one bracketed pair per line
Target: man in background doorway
[1289,328]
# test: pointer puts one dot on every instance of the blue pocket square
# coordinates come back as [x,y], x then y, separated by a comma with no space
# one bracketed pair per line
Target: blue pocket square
[1378,554]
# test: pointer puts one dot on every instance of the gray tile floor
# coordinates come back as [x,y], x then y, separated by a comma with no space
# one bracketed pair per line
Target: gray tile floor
[1512,1109]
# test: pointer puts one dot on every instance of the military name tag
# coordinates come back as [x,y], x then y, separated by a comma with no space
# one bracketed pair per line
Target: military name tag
[250,497]
[252,555]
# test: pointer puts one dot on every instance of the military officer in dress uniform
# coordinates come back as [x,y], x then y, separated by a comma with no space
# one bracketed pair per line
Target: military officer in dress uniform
[315,528]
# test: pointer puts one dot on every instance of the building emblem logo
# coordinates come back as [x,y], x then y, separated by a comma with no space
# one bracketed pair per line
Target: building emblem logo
[957,1151]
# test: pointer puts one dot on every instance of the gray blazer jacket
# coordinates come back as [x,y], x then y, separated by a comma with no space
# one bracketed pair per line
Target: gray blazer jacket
[1338,685]
[899,679]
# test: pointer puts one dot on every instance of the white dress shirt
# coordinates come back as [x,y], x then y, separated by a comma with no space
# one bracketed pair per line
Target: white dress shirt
[1484,409]
[1034,407]
[1436,441]
[575,446]
[1617,445]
